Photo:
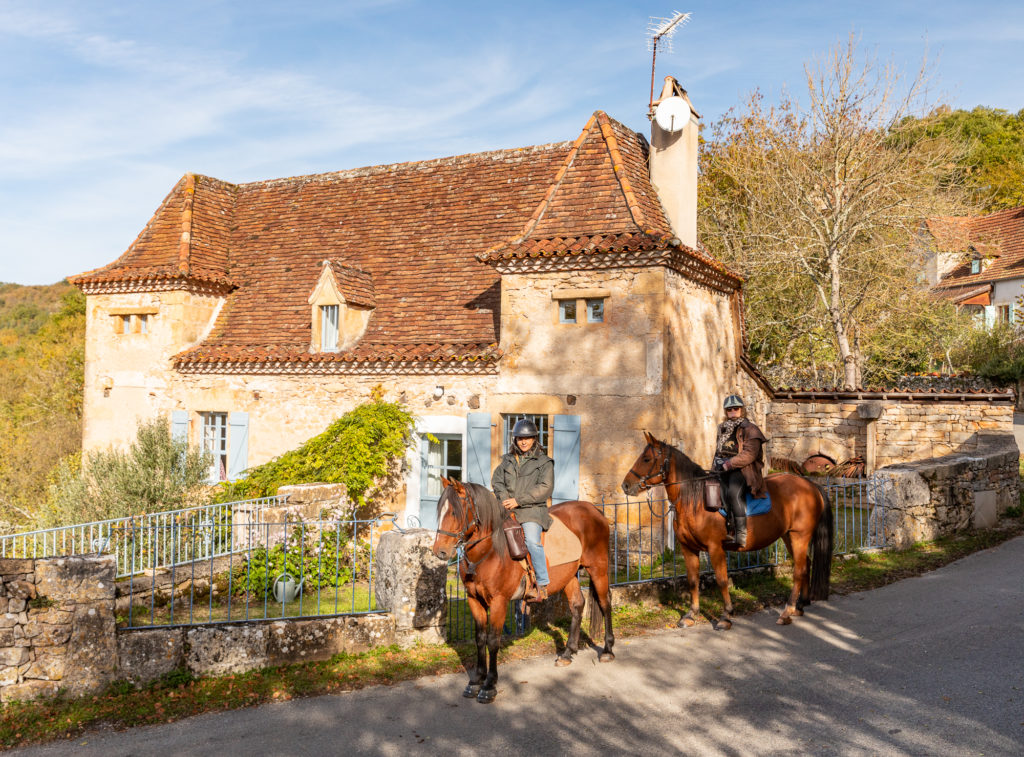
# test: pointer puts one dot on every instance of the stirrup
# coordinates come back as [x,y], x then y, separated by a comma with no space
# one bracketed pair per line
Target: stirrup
[540,593]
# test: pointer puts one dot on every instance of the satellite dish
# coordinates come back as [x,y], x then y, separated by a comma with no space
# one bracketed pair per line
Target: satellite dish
[672,114]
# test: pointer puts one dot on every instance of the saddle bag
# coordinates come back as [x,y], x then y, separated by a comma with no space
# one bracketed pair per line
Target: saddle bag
[515,537]
[712,495]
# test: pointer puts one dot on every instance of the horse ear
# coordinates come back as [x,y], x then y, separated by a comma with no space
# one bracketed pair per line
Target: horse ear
[445,483]
[458,486]
[648,437]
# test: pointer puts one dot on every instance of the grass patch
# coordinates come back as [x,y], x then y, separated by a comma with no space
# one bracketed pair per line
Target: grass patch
[179,695]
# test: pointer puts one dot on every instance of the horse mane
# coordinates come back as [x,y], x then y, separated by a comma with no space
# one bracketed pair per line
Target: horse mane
[488,510]
[691,478]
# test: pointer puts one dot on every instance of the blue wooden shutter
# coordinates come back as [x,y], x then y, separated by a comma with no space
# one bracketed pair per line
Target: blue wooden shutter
[478,448]
[566,452]
[179,425]
[238,444]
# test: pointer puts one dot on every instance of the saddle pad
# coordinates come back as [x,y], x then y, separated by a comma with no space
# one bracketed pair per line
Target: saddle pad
[560,544]
[755,506]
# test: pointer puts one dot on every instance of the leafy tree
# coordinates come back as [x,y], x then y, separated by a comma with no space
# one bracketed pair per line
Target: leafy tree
[819,208]
[360,450]
[156,473]
[992,166]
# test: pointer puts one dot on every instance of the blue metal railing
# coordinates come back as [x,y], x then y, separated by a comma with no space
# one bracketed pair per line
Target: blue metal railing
[202,531]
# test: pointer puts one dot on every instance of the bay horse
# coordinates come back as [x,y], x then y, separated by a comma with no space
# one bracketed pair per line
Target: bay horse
[470,519]
[801,515]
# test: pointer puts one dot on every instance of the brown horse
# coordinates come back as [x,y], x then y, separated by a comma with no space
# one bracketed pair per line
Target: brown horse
[801,515]
[469,520]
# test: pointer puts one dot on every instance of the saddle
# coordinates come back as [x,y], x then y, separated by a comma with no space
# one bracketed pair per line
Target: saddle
[560,546]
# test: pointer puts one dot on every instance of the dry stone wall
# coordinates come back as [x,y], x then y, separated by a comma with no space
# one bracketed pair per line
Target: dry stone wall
[57,630]
[907,429]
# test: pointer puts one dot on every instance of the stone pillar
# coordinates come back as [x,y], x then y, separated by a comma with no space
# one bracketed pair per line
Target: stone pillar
[410,583]
[58,631]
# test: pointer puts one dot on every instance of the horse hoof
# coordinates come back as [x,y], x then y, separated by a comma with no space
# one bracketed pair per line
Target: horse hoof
[606,657]
[561,662]
[797,613]
[486,696]
[724,625]
[470,691]
[686,622]
[783,620]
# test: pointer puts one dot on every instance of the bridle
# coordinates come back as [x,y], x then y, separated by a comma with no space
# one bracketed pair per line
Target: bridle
[645,482]
[648,482]
[461,547]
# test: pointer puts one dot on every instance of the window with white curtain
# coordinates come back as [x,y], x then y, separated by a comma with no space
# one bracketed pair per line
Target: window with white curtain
[328,328]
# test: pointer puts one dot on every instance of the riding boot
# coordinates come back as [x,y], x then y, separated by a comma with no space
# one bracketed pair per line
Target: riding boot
[740,535]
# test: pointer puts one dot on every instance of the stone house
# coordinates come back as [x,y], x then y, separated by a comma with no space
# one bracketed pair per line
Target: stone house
[978,263]
[563,282]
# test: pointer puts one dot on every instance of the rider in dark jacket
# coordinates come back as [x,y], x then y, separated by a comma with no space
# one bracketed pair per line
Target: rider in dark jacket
[739,457]
[523,482]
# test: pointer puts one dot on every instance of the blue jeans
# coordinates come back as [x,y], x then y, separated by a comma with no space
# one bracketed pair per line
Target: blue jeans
[532,531]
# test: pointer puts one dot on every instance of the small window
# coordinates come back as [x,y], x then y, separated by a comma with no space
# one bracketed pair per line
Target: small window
[144,323]
[567,311]
[329,328]
[215,442]
[595,311]
[1002,313]
[976,266]
[126,324]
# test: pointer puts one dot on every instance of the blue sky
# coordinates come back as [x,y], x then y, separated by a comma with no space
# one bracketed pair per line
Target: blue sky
[104,105]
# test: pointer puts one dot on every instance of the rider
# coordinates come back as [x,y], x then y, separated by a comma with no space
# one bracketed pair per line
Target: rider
[739,456]
[523,481]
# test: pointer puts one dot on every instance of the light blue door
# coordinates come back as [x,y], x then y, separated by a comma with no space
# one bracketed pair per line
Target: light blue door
[437,458]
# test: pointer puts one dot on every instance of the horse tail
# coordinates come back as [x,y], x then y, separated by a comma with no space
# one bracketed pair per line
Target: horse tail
[596,617]
[821,550]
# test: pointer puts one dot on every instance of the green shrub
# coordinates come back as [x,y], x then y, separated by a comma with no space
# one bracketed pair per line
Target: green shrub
[359,450]
[156,473]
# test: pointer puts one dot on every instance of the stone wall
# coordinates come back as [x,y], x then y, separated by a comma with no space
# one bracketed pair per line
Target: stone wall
[927,499]
[57,627]
[907,429]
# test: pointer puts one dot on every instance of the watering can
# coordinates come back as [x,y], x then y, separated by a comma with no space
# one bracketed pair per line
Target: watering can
[286,589]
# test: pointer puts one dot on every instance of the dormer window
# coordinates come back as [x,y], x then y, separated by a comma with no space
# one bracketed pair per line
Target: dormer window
[341,305]
[329,328]
[976,265]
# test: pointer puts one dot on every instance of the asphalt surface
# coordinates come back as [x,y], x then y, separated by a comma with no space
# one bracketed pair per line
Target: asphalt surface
[932,665]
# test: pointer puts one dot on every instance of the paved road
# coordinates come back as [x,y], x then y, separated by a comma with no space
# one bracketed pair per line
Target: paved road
[932,665]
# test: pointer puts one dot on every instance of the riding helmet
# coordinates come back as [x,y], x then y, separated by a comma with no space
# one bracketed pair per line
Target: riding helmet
[733,400]
[525,427]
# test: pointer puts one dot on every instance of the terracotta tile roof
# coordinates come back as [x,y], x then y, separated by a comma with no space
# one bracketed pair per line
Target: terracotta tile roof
[601,201]
[998,236]
[355,284]
[411,239]
[961,295]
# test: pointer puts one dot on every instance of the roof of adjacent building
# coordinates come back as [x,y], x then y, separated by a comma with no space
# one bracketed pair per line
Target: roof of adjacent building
[997,237]
[415,241]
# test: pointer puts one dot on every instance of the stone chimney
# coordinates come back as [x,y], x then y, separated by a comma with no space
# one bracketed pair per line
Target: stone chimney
[674,166]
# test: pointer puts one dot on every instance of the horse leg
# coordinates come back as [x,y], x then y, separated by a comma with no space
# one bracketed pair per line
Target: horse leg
[476,677]
[575,599]
[800,576]
[719,562]
[494,627]
[601,604]
[692,560]
[802,599]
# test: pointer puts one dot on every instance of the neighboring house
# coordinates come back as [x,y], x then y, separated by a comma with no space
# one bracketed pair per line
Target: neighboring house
[563,282]
[978,263]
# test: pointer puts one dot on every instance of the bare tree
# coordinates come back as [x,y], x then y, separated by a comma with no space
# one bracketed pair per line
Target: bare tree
[819,206]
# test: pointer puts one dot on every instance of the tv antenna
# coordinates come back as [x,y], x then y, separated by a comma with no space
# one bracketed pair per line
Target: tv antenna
[660,31]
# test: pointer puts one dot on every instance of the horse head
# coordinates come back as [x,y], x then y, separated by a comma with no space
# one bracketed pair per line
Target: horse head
[456,518]
[648,470]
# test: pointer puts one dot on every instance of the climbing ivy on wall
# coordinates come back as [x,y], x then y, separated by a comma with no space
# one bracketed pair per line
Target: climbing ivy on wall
[359,450]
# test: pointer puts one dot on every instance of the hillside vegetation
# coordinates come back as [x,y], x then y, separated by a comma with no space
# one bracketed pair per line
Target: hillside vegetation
[42,350]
